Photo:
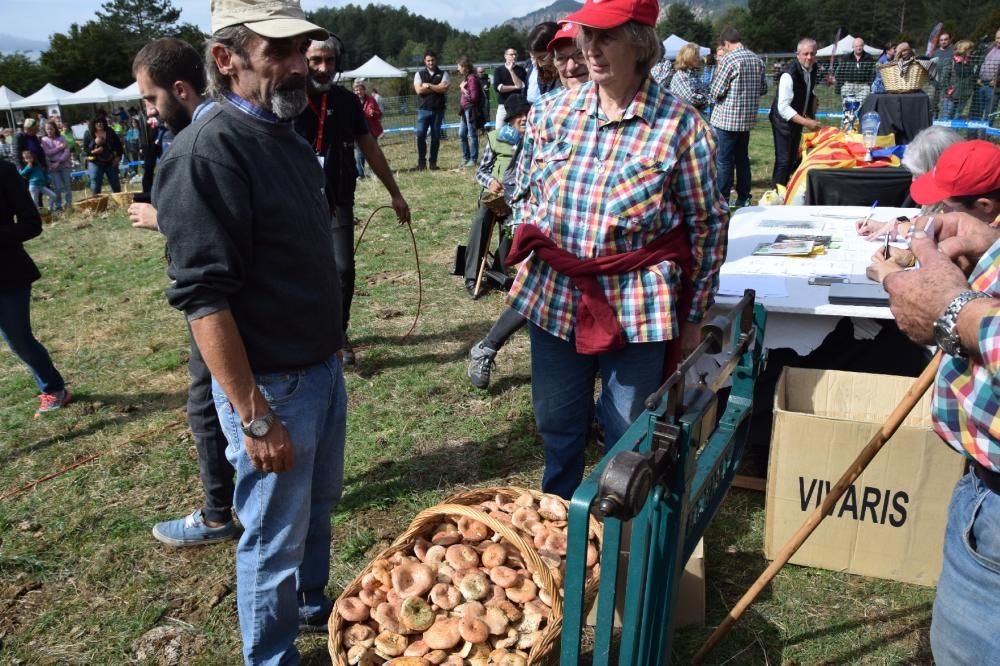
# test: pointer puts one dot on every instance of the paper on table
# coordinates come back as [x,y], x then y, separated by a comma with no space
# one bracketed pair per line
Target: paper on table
[770,286]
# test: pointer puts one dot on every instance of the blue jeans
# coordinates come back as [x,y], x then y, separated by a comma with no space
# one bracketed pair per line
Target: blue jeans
[37,191]
[733,149]
[468,138]
[283,557]
[965,628]
[984,103]
[359,162]
[562,394]
[97,172]
[428,120]
[15,326]
[61,181]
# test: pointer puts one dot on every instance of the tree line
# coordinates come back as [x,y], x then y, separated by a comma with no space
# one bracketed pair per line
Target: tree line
[104,46]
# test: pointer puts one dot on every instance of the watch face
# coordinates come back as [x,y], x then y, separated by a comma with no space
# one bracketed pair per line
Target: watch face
[258,427]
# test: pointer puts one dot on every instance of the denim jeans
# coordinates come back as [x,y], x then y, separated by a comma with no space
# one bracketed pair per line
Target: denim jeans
[984,104]
[359,162]
[97,172]
[36,192]
[15,326]
[61,181]
[468,138]
[965,628]
[215,470]
[428,120]
[733,149]
[283,557]
[562,394]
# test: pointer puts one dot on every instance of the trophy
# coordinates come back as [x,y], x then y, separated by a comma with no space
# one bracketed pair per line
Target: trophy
[869,132]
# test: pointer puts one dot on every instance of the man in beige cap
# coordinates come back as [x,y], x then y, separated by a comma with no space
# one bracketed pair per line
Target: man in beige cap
[251,256]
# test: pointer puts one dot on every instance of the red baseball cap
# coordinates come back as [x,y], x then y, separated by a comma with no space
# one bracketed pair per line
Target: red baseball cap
[963,169]
[606,14]
[566,31]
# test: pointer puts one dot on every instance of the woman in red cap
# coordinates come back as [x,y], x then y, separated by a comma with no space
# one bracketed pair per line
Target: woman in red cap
[616,199]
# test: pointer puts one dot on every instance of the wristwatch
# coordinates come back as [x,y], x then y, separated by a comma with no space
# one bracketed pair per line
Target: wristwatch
[258,427]
[946,327]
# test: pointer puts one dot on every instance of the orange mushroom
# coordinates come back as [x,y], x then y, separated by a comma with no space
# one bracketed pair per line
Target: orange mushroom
[353,609]
[412,579]
[443,634]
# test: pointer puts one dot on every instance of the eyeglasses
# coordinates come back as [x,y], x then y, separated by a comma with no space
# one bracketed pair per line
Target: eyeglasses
[576,56]
[511,53]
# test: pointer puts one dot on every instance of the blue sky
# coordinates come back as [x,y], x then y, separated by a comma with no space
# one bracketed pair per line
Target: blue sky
[35,21]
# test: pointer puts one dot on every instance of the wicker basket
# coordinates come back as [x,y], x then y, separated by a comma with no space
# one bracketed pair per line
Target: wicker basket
[94,204]
[478,495]
[122,199]
[423,525]
[916,77]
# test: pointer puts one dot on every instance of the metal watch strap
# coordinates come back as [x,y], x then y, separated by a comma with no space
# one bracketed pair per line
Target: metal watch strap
[248,428]
[946,327]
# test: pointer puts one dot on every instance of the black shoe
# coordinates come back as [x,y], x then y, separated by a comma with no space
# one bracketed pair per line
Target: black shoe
[421,166]
[470,286]
[433,166]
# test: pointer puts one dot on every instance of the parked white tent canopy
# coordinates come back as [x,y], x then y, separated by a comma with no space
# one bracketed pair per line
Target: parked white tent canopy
[845,46]
[7,98]
[96,92]
[376,68]
[128,94]
[48,95]
[673,44]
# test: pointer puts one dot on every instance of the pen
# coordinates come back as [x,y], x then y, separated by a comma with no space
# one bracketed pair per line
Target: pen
[888,235]
[870,213]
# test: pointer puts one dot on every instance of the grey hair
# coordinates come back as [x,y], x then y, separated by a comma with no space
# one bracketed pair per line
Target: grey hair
[331,43]
[643,37]
[236,38]
[926,147]
[805,41]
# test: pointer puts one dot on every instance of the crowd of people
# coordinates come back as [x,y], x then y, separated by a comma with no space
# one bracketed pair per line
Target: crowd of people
[614,188]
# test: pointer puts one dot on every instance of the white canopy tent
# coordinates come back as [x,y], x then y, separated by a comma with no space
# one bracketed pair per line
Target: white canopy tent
[96,92]
[7,99]
[673,44]
[128,93]
[47,96]
[845,46]
[376,68]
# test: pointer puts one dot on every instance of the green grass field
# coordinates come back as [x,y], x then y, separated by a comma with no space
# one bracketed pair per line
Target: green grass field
[82,581]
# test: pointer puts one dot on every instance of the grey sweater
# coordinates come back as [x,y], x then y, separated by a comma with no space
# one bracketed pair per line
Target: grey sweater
[241,203]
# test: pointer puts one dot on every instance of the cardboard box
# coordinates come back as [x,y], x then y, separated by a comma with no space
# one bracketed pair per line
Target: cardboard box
[690,608]
[890,524]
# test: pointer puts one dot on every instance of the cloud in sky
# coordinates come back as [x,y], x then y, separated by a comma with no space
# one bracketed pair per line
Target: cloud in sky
[59,14]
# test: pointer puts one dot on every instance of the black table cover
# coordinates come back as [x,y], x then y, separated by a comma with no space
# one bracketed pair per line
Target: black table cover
[890,186]
[903,114]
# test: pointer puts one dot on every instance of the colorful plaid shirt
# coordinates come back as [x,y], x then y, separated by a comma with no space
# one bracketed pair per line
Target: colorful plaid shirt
[599,187]
[966,403]
[737,87]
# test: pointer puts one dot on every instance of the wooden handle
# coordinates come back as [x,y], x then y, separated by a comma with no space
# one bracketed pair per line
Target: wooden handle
[855,469]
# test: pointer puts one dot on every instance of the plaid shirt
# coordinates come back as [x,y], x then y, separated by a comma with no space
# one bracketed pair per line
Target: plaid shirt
[600,187]
[251,109]
[966,403]
[737,87]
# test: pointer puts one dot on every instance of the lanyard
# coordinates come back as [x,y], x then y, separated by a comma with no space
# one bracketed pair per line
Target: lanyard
[321,116]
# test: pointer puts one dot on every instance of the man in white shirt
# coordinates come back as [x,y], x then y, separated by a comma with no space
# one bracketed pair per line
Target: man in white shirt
[793,110]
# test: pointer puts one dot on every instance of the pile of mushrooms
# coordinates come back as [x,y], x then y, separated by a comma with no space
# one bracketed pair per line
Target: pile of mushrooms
[464,596]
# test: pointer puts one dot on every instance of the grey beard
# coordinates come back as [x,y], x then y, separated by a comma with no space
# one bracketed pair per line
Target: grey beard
[288,104]
[316,86]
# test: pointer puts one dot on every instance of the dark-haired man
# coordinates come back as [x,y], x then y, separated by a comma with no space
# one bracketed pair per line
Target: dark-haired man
[431,85]
[251,256]
[738,83]
[171,75]
[333,124]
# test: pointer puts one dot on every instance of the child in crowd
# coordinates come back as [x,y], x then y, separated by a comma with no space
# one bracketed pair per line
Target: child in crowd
[37,179]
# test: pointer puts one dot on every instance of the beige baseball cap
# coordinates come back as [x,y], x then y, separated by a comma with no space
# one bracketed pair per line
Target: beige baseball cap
[275,19]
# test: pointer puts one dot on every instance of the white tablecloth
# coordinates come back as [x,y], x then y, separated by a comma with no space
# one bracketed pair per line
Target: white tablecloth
[799,314]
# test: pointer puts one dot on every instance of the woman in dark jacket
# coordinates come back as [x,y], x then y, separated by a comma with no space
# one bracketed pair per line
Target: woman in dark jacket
[103,149]
[19,222]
